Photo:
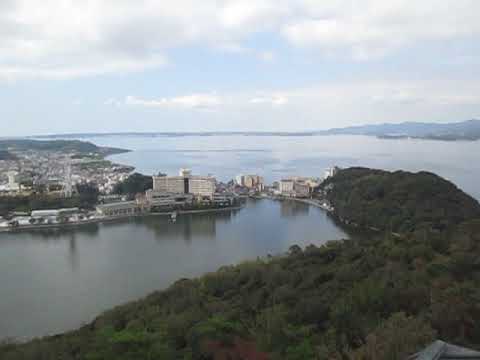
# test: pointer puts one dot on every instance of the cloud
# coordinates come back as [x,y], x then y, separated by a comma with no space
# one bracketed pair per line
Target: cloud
[335,96]
[194,101]
[275,100]
[62,39]
[374,28]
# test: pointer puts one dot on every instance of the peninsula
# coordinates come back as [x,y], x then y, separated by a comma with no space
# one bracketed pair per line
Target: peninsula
[377,294]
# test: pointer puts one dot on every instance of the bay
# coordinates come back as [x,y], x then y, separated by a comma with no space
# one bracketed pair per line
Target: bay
[54,281]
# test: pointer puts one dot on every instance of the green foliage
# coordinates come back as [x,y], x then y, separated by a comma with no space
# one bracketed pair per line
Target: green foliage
[375,297]
[35,202]
[57,145]
[134,184]
[398,201]
[86,198]
[395,339]
[87,195]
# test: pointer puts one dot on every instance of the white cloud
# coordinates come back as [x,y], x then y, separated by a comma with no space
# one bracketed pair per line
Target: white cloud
[69,38]
[194,101]
[373,28]
[338,95]
[275,100]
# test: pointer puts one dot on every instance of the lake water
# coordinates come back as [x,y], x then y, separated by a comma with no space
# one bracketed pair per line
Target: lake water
[278,156]
[55,281]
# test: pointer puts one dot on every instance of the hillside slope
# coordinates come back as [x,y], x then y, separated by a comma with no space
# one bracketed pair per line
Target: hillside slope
[398,201]
[381,297]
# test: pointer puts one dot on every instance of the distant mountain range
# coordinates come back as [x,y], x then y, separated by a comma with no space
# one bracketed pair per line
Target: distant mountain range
[466,130]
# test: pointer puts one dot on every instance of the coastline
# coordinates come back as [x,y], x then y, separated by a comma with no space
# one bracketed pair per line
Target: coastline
[114,218]
[304,201]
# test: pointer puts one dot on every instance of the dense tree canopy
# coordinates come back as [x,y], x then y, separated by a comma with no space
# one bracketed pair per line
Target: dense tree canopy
[134,184]
[399,201]
[378,297]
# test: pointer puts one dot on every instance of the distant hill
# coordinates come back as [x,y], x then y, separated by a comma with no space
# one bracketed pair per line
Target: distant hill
[398,201]
[466,130]
[81,147]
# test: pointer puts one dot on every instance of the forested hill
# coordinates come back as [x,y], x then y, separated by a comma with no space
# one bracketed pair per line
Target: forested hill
[81,147]
[398,201]
[382,297]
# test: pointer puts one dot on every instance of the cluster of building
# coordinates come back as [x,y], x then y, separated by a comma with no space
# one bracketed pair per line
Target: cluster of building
[57,173]
[299,187]
[188,191]
[185,191]
[251,182]
[170,193]
[46,217]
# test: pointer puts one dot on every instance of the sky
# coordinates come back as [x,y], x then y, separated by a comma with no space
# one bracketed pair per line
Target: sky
[69,66]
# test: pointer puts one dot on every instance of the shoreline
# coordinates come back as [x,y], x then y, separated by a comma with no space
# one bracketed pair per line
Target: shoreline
[301,200]
[114,218]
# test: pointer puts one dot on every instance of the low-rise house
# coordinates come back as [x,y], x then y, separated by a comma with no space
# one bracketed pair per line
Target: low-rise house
[156,199]
[125,208]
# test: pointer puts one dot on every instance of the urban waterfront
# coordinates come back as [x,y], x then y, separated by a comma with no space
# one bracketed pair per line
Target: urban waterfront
[276,157]
[57,280]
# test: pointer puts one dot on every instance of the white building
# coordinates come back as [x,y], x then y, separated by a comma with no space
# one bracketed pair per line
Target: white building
[331,171]
[170,184]
[201,186]
[296,187]
[185,183]
[12,185]
[250,181]
[126,208]
[54,212]
[162,199]
[286,186]
[239,180]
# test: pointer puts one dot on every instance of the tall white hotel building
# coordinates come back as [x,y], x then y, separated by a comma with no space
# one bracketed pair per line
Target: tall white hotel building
[185,183]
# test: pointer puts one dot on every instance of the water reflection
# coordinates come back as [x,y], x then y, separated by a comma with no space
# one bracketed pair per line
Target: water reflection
[187,226]
[291,208]
[72,253]
[54,280]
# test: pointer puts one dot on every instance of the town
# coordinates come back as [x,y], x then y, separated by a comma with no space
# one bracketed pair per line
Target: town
[60,176]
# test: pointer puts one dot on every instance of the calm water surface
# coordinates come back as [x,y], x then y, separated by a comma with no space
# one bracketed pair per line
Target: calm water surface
[275,157]
[54,281]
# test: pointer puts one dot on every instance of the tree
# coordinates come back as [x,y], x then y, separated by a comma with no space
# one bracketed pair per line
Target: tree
[134,184]
[88,195]
[395,339]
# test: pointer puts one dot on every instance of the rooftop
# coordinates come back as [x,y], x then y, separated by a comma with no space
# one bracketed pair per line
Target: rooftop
[440,350]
